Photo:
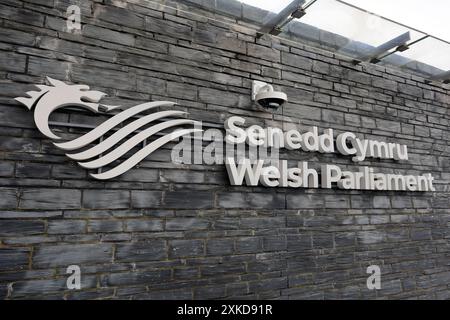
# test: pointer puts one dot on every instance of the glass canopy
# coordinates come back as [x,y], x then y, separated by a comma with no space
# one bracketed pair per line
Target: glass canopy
[365,36]
[340,27]
[352,23]
[432,52]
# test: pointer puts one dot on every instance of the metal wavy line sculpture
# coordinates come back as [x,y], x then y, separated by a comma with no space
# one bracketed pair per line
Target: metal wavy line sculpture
[59,95]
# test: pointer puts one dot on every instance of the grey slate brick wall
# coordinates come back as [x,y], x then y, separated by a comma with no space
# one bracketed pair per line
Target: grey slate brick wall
[166,231]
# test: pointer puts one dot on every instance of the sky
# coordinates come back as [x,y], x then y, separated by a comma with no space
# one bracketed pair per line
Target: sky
[428,16]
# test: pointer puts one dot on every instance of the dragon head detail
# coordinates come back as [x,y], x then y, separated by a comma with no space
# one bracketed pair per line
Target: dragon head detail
[58,95]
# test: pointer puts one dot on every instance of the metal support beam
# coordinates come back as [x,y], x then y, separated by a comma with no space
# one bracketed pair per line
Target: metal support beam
[292,11]
[399,43]
[444,77]
[403,48]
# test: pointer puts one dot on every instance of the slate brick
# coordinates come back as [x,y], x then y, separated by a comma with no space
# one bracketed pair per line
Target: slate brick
[304,201]
[186,248]
[109,78]
[401,202]
[21,227]
[14,258]
[6,168]
[387,125]
[232,200]
[371,237]
[180,176]
[190,54]
[385,84]
[144,225]
[345,239]
[410,90]
[302,112]
[185,273]
[342,102]
[167,28]
[66,227]
[101,199]
[120,16]
[321,67]
[322,240]
[140,175]
[210,292]
[92,31]
[337,202]
[19,144]
[8,199]
[105,226]
[263,222]
[188,200]
[265,53]
[151,85]
[65,255]
[13,62]
[28,17]
[213,96]
[32,170]
[274,243]
[68,171]
[187,224]
[50,199]
[222,270]
[141,251]
[151,45]
[17,37]
[268,284]
[181,91]
[266,200]
[227,42]
[359,77]
[220,247]
[361,201]
[296,61]
[55,69]
[332,116]
[381,202]
[248,245]
[420,202]
[146,199]
[39,287]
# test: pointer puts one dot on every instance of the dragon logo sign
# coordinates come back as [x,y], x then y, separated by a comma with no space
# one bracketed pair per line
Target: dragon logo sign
[103,146]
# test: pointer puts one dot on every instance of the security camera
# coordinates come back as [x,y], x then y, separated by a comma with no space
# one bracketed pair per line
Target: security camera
[266,96]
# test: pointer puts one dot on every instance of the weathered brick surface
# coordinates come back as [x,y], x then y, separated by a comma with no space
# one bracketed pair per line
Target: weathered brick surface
[166,231]
[64,255]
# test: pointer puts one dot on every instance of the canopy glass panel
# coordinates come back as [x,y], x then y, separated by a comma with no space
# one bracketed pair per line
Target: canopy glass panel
[337,26]
[365,36]
[431,52]
[352,23]
[350,30]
